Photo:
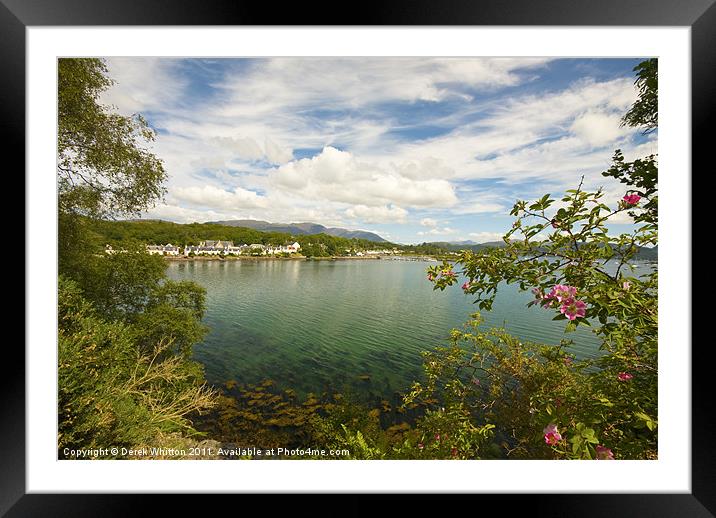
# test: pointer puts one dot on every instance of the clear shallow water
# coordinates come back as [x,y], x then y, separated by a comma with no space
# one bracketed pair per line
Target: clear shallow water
[315,325]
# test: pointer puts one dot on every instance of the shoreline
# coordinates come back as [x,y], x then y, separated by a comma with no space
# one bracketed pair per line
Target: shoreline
[232,258]
[297,258]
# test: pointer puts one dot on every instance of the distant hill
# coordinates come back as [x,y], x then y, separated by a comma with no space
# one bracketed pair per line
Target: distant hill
[300,229]
[648,254]
[643,253]
[466,245]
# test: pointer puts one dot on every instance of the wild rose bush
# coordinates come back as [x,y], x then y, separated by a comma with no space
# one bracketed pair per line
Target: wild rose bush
[542,401]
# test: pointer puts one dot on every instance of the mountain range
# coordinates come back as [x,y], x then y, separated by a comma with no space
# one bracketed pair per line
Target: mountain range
[642,254]
[300,229]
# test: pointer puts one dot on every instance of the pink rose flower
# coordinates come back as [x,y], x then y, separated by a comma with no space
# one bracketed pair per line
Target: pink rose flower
[573,308]
[603,453]
[631,199]
[551,434]
[562,292]
[624,376]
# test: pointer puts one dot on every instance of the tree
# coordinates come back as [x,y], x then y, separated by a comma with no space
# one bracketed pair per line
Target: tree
[125,376]
[543,402]
[645,111]
[103,167]
[110,393]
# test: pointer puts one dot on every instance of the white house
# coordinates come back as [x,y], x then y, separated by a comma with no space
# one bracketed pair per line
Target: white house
[379,252]
[167,249]
[170,249]
[215,248]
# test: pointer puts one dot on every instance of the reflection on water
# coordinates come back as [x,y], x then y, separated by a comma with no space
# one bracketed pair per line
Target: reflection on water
[347,325]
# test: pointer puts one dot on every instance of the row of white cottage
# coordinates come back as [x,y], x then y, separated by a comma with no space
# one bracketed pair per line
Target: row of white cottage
[223,248]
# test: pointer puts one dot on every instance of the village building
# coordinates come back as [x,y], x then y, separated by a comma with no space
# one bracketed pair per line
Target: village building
[167,249]
[383,251]
[218,248]
[257,248]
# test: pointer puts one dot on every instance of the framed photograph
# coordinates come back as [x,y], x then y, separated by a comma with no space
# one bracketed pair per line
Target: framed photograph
[423,253]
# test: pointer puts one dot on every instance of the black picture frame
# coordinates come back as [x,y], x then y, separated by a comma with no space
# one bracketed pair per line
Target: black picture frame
[700,15]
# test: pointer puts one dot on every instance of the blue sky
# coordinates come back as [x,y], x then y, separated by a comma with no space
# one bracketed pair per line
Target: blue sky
[415,149]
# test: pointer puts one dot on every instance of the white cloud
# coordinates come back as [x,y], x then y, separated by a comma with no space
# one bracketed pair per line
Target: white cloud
[143,84]
[527,137]
[337,175]
[262,112]
[481,204]
[176,213]
[244,147]
[210,196]
[597,128]
[328,82]
[485,237]
[276,154]
[438,232]
[387,214]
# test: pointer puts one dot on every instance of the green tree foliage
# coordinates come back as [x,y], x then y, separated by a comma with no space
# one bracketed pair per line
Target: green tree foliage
[544,403]
[103,167]
[645,111]
[120,285]
[152,231]
[111,393]
[125,331]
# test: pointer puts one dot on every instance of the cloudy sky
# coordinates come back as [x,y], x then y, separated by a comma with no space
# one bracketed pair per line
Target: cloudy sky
[415,149]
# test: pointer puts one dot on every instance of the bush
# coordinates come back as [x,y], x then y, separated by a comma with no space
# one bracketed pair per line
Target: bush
[543,403]
[112,394]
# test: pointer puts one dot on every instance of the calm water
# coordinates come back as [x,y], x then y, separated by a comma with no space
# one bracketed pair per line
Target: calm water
[314,325]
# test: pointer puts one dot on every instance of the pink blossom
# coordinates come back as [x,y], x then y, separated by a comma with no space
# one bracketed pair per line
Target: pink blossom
[437,437]
[573,308]
[551,434]
[626,285]
[562,292]
[624,376]
[631,199]
[603,453]
[448,273]
[430,277]
[421,445]
[466,286]
[567,360]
